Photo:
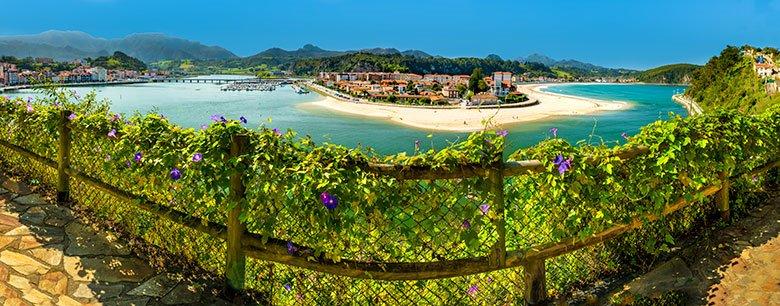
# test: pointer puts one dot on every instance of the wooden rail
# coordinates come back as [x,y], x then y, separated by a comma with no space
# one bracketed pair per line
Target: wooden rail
[241,243]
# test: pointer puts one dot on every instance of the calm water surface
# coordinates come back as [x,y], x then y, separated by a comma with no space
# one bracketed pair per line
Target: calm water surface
[190,105]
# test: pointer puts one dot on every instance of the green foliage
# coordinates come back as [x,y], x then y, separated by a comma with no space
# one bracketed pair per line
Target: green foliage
[29,63]
[118,60]
[668,74]
[729,81]
[382,219]
[474,79]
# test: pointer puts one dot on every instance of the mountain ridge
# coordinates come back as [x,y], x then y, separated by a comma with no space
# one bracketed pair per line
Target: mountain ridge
[69,45]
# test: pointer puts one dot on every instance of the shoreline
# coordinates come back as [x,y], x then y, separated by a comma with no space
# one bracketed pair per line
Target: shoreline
[470,120]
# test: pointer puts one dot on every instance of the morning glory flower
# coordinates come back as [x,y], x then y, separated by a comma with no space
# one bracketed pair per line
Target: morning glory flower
[112,133]
[563,164]
[243,120]
[277,132]
[330,201]
[624,135]
[30,108]
[472,291]
[554,132]
[287,287]
[137,157]
[203,127]
[72,116]
[116,118]
[175,174]
[484,208]
[29,99]
[466,224]
[215,117]
[502,133]
[417,145]
[291,248]
[197,157]
[222,119]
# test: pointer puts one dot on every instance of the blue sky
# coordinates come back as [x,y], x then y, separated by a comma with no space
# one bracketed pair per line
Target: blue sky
[632,34]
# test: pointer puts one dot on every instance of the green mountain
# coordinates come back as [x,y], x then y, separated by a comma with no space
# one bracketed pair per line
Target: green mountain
[69,45]
[668,74]
[730,81]
[118,60]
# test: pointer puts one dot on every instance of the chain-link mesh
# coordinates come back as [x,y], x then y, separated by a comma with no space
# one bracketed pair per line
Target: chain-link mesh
[285,285]
[385,221]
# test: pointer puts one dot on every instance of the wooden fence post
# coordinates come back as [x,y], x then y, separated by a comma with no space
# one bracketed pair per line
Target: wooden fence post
[535,286]
[496,181]
[63,156]
[722,197]
[235,261]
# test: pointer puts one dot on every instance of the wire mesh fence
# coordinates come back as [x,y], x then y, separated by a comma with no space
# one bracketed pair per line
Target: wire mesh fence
[310,201]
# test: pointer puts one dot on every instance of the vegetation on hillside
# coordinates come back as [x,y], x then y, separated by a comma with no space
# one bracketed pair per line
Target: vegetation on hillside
[730,81]
[118,60]
[668,74]
[29,63]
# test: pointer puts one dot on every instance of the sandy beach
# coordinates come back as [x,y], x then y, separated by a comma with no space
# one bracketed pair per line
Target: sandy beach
[468,120]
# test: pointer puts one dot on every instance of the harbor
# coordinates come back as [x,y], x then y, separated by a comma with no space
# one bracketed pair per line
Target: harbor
[255,85]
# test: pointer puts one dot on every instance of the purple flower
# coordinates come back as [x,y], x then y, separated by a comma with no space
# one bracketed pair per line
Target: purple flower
[137,157]
[287,287]
[502,133]
[112,133]
[128,164]
[472,291]
[197,157]
[175,174]
[243,120]
[277,132]
[204,127]
[216,117]
[291,248]
[624,135]
[72,116]
[466,224]
[222,119]
[563,164]
[330,201]
[30,108]
[484,208]
[554,132]
[116,118]
[417,145]
[56,104]
[29,99]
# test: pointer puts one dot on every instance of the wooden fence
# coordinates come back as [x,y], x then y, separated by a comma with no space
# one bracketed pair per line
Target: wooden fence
[242,244]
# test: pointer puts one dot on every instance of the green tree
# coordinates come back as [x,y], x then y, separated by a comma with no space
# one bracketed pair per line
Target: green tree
[476,77]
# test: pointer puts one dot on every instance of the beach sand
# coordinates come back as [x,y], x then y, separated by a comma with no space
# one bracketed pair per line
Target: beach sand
[468,120]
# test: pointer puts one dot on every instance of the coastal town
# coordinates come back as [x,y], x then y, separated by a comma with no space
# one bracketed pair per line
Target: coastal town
[32,71]
[767,71]
[429,89]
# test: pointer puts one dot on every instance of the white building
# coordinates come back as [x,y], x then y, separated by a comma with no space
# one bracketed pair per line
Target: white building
[502,81]
[99,74]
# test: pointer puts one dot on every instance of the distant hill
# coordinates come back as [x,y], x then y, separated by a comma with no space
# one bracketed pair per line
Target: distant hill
[278,56]
[577,68]
[69,45]
[730,81]
[669,74]
[118,60]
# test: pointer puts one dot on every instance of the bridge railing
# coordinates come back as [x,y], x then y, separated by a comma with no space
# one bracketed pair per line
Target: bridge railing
[481,184]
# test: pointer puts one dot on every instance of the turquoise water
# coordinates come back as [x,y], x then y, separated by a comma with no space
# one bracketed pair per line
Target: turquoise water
[190,105]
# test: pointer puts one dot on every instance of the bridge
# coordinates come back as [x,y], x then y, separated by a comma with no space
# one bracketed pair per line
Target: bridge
[221,81]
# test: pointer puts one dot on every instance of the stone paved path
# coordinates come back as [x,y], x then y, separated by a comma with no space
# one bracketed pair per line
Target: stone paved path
[47,257]
[752,279]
